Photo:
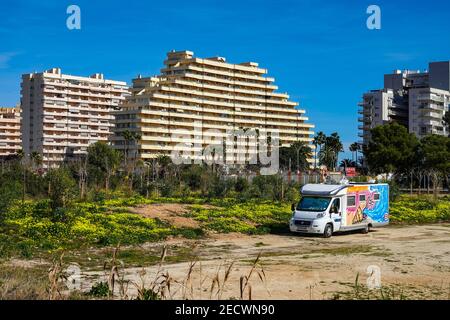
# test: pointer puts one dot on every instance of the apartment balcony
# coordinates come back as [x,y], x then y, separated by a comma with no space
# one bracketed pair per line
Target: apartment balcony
[293,139]
[10,141]
[10,135]
[395,112]
[232,75]
[9,121]
[432,106]
[430,123]
[229,108]
[230,82]
[430,97]
[10,128]
[230,96]
[228,89]
[438,132]
[432,115]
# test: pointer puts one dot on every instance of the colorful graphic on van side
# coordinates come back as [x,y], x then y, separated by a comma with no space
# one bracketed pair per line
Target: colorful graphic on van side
[367,202]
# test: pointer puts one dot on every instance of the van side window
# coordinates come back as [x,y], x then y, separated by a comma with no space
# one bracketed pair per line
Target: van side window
[351,201]
[336,206]
[362,197]
[376,196]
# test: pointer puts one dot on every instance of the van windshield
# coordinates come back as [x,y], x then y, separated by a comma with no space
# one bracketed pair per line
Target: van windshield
[313,204]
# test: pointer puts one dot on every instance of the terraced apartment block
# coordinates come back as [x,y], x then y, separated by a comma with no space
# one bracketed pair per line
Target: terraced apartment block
[197,102]
[63,114]
[10,140]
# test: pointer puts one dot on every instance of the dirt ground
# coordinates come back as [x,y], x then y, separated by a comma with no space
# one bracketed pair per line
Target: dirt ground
[168,212]
[414,262]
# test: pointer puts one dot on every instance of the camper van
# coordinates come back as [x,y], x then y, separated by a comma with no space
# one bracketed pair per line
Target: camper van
[328,208]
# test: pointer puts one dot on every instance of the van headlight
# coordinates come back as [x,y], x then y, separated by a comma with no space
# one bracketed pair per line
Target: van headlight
[320,215]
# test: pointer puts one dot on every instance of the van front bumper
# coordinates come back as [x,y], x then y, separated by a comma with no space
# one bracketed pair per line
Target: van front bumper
[313,227]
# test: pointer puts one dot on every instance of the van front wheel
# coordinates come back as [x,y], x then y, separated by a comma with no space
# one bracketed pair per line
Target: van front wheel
[328,232]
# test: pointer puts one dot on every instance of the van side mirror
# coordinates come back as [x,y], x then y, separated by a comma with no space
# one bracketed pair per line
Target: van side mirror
[293,207]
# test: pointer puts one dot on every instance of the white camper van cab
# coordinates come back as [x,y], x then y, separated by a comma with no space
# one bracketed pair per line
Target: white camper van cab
[326,208]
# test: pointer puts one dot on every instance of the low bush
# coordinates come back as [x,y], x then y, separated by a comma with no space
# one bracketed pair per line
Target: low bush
[420,209]
[251,217]
[34,225]
[99,290]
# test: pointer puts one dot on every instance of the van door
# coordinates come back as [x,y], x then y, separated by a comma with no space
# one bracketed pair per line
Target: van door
[336,213]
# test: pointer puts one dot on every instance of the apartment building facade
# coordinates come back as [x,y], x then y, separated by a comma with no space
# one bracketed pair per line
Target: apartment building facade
[195,103]
[63,114]
[427,107]
[10,140]
[379,107]
[417,100]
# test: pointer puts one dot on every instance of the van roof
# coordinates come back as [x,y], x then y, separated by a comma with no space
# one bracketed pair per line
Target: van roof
[322,189]
[328,189]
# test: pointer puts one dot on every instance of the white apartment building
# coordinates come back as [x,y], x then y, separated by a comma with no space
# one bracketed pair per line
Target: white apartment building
[377,108]
[63,114]
[427,107]
[417,100]
[10,142]
[196,102]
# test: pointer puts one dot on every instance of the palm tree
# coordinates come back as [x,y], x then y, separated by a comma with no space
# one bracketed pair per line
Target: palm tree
[36,159]
[129,136]
[140,168]
[318,141]
[163,161]
[336,145]
[20,154]
[326,156]
[354,148]
[298,152]
[315,143]
[246,134]
[346,163]
[303,152]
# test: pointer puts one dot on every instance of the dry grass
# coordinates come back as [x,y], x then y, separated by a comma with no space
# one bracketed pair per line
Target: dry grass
[163,286]
[42,283]
[19,283]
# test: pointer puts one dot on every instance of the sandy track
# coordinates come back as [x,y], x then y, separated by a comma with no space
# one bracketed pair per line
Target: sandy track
[413,258]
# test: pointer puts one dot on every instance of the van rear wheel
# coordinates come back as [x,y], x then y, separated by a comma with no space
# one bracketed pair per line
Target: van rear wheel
[328,232]
[366,229]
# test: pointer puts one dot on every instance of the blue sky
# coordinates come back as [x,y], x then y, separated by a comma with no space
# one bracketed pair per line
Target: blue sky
[320,52]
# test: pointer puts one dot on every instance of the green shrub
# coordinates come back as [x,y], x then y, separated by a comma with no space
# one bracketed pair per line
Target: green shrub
[148,294]
[99,290]
[249,217]
[421,209]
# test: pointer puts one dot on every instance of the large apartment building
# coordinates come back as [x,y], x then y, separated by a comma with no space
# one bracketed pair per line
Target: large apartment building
[418,100]
[379,107]
[427,107]
[197,102]
[63,114]
[10,142]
